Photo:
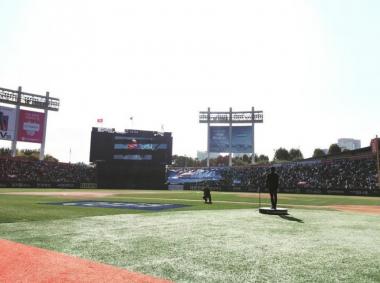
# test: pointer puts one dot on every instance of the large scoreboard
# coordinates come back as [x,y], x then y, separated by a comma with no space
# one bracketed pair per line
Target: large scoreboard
[131,146]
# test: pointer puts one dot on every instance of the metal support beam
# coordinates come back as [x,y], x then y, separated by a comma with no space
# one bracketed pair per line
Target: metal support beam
[42,148]
[253,137]
[15,136]
[208,137]
[230,140]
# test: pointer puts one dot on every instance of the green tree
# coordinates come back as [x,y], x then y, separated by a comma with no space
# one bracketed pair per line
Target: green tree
[261,158]
[295,154]
[281,154]
[237,161]
[30,153]
[246,158]
[202,163]
[334,149]
[183,161]
[5,152]
[318,153]
[50,158]
[221,160]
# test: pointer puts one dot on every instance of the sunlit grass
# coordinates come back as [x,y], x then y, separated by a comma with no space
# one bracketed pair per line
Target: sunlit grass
[220,245]
[228,241]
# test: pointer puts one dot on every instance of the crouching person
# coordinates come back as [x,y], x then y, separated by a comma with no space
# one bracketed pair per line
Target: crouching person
[207,195]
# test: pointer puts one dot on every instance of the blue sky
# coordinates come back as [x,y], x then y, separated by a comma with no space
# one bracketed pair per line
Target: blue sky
[311,66]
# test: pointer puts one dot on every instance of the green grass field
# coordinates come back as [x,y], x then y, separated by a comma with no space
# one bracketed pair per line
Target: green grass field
[228,241]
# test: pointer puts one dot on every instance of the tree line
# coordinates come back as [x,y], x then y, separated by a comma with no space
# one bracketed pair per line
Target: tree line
[32,154]
[280,155]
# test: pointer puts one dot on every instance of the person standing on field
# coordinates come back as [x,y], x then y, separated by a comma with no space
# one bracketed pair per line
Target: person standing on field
[272,185]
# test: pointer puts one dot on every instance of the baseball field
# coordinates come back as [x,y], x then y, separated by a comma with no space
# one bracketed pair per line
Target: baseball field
[160,236]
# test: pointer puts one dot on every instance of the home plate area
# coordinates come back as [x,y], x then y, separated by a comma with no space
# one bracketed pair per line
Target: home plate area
[125,205]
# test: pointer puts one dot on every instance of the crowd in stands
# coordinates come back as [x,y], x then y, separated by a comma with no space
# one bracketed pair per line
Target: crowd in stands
[341,174]
[324,175]
[344,175]
[24,170]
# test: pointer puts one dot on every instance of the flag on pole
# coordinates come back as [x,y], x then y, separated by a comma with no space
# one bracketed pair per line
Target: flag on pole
[99,120]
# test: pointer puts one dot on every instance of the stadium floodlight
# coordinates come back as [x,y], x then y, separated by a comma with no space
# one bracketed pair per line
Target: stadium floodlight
[230,139]
[32,122]
[16,97]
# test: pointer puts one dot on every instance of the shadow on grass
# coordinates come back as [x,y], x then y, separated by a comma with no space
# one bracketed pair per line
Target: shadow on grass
[291,218]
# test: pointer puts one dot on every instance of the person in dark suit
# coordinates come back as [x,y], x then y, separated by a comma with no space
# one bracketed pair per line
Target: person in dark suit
[207,195]
[272,185]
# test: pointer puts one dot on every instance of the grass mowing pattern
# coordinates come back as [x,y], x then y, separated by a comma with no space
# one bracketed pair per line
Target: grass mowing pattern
[220,245]
[33,208]
[18,208]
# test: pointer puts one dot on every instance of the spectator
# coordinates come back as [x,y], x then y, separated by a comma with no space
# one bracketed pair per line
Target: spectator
[21,170]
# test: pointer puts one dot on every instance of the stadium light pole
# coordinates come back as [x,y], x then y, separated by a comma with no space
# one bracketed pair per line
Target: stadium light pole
[253,136]
[24,99]
[42,148]
[15,136]
[208,137]
[230,139]
[230,118]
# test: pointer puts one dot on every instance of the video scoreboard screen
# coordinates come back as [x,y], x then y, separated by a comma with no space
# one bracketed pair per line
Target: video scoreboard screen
[131,146]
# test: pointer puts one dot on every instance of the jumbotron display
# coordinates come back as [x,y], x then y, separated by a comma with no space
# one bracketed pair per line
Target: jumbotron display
[131,146]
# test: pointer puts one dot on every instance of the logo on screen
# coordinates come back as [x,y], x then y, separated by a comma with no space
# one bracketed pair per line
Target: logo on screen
[132,146]
[3,122]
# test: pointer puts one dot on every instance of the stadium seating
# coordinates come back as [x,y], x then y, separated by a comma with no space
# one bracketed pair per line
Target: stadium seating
[347,175]
[30,171]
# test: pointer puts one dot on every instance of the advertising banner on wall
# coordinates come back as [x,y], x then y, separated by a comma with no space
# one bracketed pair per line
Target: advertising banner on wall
[31,126]
[7,123]
[241,139]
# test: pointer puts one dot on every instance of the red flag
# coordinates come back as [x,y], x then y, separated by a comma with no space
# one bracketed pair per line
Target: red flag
[99,120]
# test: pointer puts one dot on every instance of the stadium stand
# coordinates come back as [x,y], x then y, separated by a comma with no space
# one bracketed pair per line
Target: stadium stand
[351,175]
[348,173]
[22,172]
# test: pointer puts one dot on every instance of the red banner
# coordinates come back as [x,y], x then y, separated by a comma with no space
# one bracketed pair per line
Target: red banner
[31,126]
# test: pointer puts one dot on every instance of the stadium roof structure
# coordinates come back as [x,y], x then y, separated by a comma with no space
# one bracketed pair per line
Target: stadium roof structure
[17,97]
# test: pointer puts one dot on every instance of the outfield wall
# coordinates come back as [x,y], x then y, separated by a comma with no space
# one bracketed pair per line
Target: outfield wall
[58,185]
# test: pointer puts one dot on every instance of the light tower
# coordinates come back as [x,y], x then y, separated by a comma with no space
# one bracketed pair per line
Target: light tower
[226,138]
[26,126]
